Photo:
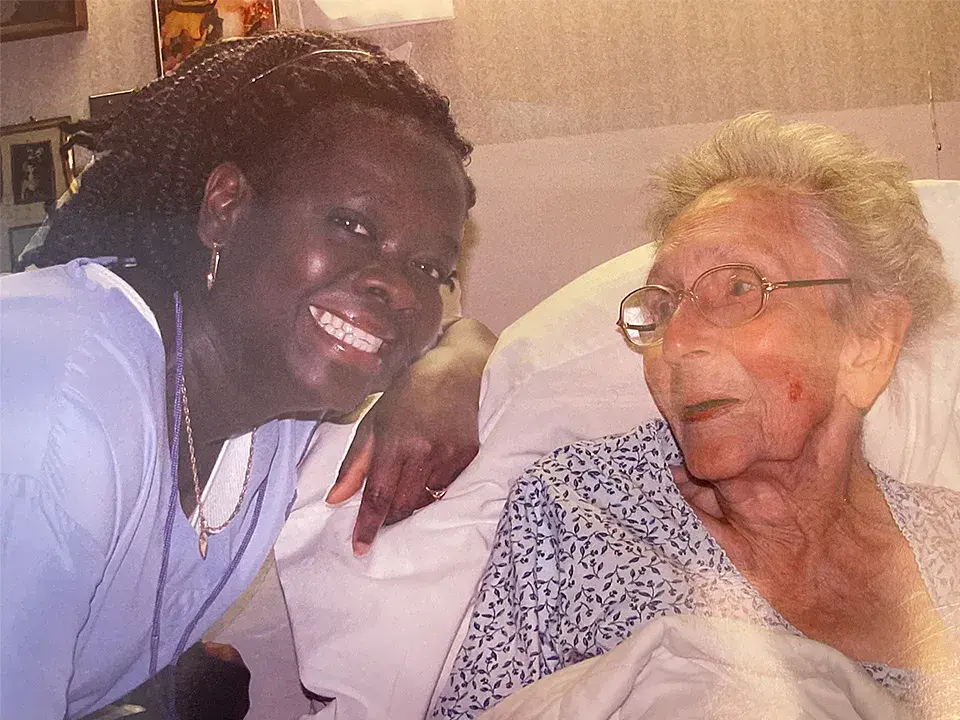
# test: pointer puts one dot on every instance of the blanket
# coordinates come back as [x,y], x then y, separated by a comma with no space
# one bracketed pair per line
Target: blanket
[688,666]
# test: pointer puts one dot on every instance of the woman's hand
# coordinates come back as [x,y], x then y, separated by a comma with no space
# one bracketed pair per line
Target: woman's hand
[421,434]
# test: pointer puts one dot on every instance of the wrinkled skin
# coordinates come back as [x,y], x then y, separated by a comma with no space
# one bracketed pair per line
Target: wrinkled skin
[738,396]
[769,418]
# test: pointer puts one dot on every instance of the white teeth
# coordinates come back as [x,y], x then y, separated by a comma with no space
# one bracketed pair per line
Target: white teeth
[342,330]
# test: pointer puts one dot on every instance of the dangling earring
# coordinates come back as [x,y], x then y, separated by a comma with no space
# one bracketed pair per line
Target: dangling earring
[214,264]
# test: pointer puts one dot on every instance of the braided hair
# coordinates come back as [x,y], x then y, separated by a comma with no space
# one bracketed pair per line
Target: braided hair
[238,100]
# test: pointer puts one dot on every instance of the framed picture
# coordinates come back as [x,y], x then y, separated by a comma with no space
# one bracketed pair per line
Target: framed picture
[342,15]
[33,173]
[17,239]
[21,19]
[185,25]
[32,176]
[108,105]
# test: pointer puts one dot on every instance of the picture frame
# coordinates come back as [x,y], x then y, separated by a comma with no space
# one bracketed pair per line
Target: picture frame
[22,19]
[182,26]
[358,15]
[32,175]
[16,240]
[109,105]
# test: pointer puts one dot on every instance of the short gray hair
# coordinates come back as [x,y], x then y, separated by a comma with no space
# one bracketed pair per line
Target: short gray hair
[885,244]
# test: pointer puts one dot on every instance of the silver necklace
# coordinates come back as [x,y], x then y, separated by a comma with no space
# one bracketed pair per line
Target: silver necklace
[207,530]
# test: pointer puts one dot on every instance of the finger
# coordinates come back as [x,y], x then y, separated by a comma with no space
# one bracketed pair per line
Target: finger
[437,471]
[447,469]
[355,466]
[386,474]
[433,491]
[413,494]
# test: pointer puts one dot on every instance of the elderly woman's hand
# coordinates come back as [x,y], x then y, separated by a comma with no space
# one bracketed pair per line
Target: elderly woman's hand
[420,435]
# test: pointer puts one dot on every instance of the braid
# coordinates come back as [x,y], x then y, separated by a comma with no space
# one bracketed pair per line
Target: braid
[237,100]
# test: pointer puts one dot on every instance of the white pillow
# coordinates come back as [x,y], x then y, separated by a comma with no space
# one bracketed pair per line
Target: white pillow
[913,430]
[375,632]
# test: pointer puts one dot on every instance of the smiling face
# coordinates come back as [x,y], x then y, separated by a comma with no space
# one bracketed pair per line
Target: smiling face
[329,284]
[739,396]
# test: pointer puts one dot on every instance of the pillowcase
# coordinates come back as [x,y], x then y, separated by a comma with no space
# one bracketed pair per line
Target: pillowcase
[913,430]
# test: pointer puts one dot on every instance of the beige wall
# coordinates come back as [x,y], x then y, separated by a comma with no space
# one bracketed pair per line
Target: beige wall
[571,101]
[548,209]
[517,69]
[54,76]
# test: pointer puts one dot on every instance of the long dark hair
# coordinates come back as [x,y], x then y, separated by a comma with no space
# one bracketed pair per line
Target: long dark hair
[236,100]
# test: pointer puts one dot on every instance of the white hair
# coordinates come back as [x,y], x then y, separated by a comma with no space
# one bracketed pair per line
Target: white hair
[880,236]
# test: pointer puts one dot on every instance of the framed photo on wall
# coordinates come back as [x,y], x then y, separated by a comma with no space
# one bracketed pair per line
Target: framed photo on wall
[343,15]
[184,25]
[22,19]
[17,239]
[32,177]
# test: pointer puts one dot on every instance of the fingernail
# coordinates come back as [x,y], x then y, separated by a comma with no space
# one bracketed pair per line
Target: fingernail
[334,503]
[360,548]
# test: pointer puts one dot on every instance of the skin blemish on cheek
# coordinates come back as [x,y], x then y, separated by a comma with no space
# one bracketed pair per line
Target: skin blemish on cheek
[796,390]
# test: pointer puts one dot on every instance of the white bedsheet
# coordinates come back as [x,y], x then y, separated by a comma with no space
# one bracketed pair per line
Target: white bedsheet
[710,669]
[417,586]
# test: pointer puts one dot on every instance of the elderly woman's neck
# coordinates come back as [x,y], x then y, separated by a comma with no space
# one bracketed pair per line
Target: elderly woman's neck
[796,502]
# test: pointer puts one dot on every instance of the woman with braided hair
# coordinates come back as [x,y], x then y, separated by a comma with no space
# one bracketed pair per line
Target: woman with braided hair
[260,245]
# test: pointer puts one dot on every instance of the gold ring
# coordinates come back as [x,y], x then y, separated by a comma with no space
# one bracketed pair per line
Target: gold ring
[435,494]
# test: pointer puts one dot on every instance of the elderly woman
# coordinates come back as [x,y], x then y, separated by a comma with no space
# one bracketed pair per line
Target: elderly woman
[262,244]
[792,268]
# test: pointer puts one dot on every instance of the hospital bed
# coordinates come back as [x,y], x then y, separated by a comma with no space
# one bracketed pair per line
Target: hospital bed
[378,633]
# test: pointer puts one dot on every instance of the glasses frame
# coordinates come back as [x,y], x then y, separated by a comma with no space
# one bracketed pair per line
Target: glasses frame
[680,295]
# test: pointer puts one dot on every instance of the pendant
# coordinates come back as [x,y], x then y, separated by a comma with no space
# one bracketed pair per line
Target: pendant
[203,544]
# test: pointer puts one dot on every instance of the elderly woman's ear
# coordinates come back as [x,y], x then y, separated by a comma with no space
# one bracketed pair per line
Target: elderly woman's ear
[225,198]
[870,352]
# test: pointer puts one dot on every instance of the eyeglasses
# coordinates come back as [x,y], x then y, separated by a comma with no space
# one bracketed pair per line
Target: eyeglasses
[726,296]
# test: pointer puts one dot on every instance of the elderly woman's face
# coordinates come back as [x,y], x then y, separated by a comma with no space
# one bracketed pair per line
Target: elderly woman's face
[331,284]
[739,396]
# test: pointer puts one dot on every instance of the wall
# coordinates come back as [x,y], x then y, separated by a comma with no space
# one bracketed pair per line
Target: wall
[549,209]
[517,69]
[571,101]
[53,76]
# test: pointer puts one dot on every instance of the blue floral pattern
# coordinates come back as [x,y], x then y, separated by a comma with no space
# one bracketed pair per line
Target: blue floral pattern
[596,540]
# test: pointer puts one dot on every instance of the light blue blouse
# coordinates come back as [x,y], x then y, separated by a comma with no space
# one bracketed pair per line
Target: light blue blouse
[86,495]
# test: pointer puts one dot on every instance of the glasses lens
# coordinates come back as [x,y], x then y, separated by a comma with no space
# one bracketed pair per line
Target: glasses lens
[644,313]
[729,296]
